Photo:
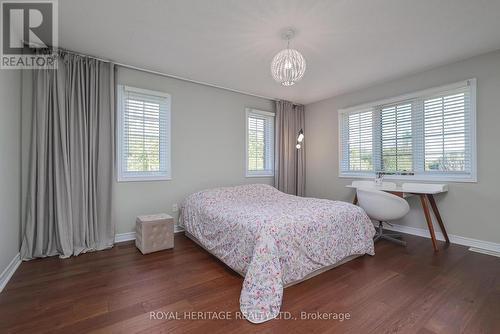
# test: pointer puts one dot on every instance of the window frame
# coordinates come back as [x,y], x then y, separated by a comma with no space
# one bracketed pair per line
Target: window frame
[267,114]
[120,106]
[421,95]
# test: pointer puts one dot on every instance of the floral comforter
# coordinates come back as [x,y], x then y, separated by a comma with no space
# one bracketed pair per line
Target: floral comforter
[273,238]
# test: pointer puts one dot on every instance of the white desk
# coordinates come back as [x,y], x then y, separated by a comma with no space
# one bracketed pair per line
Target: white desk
[425,191]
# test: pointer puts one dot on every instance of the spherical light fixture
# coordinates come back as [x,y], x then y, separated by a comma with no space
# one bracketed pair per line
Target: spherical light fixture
[288,66]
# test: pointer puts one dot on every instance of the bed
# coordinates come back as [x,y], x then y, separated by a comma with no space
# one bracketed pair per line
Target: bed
[273,239]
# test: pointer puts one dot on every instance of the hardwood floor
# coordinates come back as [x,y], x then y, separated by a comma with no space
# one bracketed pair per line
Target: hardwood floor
[399,290]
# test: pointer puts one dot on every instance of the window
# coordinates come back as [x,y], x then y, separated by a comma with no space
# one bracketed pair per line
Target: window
[259,143]
[143,135]
[429,135]
[359,141]
[396,138]
[446,129]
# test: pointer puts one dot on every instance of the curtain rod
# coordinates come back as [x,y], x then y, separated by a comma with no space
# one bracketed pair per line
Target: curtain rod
[192,81]
[132,67]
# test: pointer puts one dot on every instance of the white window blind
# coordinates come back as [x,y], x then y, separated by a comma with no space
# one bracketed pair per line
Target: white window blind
[430,134]
[143,135]
[259,143]
[447,133]
[396,137]
[358,136]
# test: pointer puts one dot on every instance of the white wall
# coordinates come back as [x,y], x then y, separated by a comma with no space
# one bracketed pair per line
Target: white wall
[468,210]
[10,164]
[208,146]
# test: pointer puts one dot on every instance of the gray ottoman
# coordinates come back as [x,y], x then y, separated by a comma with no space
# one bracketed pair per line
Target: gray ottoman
[154,233]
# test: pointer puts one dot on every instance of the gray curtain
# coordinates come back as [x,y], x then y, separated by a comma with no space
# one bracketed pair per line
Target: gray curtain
[289,174]
[68,206]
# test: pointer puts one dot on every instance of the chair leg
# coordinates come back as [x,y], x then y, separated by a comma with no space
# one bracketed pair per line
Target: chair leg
[394,235]
[388,236]
[391,239]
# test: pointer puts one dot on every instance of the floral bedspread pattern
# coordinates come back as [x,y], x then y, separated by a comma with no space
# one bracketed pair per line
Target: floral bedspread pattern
[273,238]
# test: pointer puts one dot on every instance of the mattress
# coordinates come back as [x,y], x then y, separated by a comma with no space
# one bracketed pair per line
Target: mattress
[274,239]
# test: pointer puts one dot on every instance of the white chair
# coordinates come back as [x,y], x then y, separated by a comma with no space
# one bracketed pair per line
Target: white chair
[383,207]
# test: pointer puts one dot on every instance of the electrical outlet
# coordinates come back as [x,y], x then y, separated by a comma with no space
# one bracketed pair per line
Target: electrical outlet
[175,207]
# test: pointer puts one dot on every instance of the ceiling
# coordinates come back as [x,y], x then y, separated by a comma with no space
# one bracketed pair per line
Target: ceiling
[348,44]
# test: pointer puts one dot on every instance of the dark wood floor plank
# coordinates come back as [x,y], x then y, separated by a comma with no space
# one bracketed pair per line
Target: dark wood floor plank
[399,290]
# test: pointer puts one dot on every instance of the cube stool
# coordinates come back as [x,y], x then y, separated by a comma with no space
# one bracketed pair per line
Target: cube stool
[154,233]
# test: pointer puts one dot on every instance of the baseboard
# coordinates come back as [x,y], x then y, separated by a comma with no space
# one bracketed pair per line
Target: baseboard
[178,229]
[121,237]
[9,271]
[488,247]
[129,236]
[484,251]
